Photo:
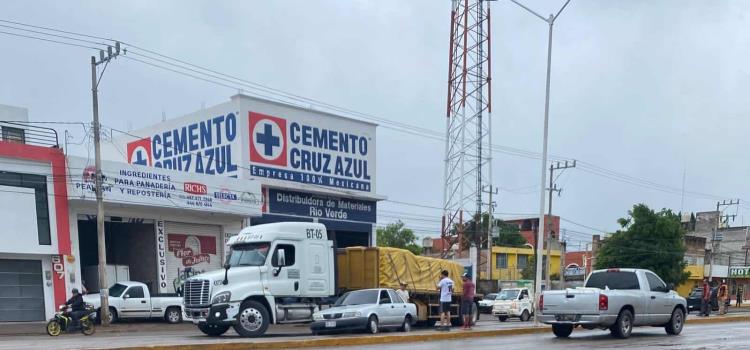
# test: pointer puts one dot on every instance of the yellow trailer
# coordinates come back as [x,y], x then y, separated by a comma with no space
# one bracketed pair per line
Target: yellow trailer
[381,267]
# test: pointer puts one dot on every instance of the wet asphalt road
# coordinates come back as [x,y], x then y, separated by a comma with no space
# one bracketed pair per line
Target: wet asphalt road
[708,336]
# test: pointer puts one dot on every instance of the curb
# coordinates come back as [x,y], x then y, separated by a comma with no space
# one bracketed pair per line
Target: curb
[384,339]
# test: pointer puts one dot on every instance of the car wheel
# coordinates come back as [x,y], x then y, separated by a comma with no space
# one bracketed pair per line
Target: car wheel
[252,320]
[173,315]
[502,318]
[113,318]
[674,327]
[623,325]
[213,330]
[406,327]
[562,330]
[525,316]
[372,325]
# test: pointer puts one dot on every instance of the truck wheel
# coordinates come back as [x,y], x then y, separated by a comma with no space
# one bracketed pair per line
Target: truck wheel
[112,315]
[525,316]
[562,330]
[406,327]
[173,315]
[372,325]
[623,326]
[252,320]
[213,330]
[502,318]
[674,327]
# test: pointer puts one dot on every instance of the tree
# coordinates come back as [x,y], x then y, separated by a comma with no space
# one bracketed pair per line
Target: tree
[509,236]
[528,272]
[397,236]
[648,240]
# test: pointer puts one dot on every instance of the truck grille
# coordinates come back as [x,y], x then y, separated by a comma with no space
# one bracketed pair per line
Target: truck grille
[196,293]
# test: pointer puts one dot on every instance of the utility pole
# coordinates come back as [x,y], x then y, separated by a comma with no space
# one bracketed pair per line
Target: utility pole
[717,237]
[552,188]
[101,241]
[539,237]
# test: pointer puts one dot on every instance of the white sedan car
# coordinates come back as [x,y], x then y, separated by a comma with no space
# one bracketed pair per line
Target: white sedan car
[369,309]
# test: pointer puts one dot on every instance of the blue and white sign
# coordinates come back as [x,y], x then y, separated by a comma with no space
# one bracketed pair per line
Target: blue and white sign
[312,150]
[317,206]
[125,183]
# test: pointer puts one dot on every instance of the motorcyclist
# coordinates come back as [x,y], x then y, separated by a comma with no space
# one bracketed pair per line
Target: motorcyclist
[77,306]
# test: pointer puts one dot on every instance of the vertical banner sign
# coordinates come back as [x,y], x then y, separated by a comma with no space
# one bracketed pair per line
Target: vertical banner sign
[161,256]
[58,266]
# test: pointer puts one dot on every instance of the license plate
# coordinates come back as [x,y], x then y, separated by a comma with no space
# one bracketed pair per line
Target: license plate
[565,317]
[330,324]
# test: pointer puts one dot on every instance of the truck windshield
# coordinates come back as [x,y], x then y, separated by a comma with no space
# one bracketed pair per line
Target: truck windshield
[117,289]
[613,280]
[508,294]
[249,254]
[358,298]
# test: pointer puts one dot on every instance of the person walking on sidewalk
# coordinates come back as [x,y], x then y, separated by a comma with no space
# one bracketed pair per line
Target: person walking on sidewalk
[402,292]
[445,286]
[467,300]
[722,297]
[706,298]
[740,291]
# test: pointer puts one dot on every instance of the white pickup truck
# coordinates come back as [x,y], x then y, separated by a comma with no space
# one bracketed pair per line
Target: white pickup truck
[513,302]
[133,300]
[614,299]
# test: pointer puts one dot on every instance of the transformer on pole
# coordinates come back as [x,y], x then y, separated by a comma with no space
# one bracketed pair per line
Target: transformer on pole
[468,124]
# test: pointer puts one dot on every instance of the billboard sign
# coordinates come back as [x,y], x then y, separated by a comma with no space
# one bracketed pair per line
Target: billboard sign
[143,185]
[310,149]
[319,206]
[739,272]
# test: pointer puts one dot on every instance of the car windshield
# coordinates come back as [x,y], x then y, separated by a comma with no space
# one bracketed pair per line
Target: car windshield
[696,293]
[490,296]
[250,254]
[508,294]
[117,289]
[358,298]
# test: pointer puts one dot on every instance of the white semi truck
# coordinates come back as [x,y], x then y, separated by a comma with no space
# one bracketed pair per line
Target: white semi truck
[282,273]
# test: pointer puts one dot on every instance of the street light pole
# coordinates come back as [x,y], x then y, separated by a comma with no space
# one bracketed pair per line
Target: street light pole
[540,227]
[101,241]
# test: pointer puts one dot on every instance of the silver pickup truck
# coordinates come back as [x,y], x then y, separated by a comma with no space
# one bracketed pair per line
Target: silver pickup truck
[614,299]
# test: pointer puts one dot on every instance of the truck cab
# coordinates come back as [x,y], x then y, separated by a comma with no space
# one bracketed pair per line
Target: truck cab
[513,302]
[274,273]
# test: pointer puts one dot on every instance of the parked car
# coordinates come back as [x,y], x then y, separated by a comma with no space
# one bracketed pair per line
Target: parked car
[369,309]
[695,296]
[485,305]
[133,300]
[615,299]
[513,302]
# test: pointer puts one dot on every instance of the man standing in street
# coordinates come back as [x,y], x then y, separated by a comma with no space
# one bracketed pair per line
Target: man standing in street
[402,292]
[706,298]
[445,286]
[467,300]
[740,292]
[722,297]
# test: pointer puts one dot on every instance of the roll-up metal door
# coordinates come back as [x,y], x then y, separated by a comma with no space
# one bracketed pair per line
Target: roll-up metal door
[196,247]
[21,290]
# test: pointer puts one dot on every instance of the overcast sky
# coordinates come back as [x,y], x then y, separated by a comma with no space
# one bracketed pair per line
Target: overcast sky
[645,88]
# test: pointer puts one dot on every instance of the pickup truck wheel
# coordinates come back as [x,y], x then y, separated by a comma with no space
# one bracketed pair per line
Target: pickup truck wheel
[502,318]
[406,327]
[173,315]
[252,320]
[623,325]
[562,330]
[525,316]
[213,330]
[112,315]
[674,327]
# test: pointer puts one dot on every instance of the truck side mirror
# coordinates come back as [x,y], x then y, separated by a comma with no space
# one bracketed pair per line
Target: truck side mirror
[280,257]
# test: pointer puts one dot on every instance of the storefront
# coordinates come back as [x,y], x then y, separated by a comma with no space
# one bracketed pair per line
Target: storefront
[312,166]
[739,282]
[161,226]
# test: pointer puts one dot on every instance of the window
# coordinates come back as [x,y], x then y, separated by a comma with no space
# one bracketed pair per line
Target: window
[656,284]
[395,297]
[39,184]
[613,280]
[16,135]
[359,297]
[288,255]
[501,261]
[135,293]
[250,254]
[384,298]
[523,261]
